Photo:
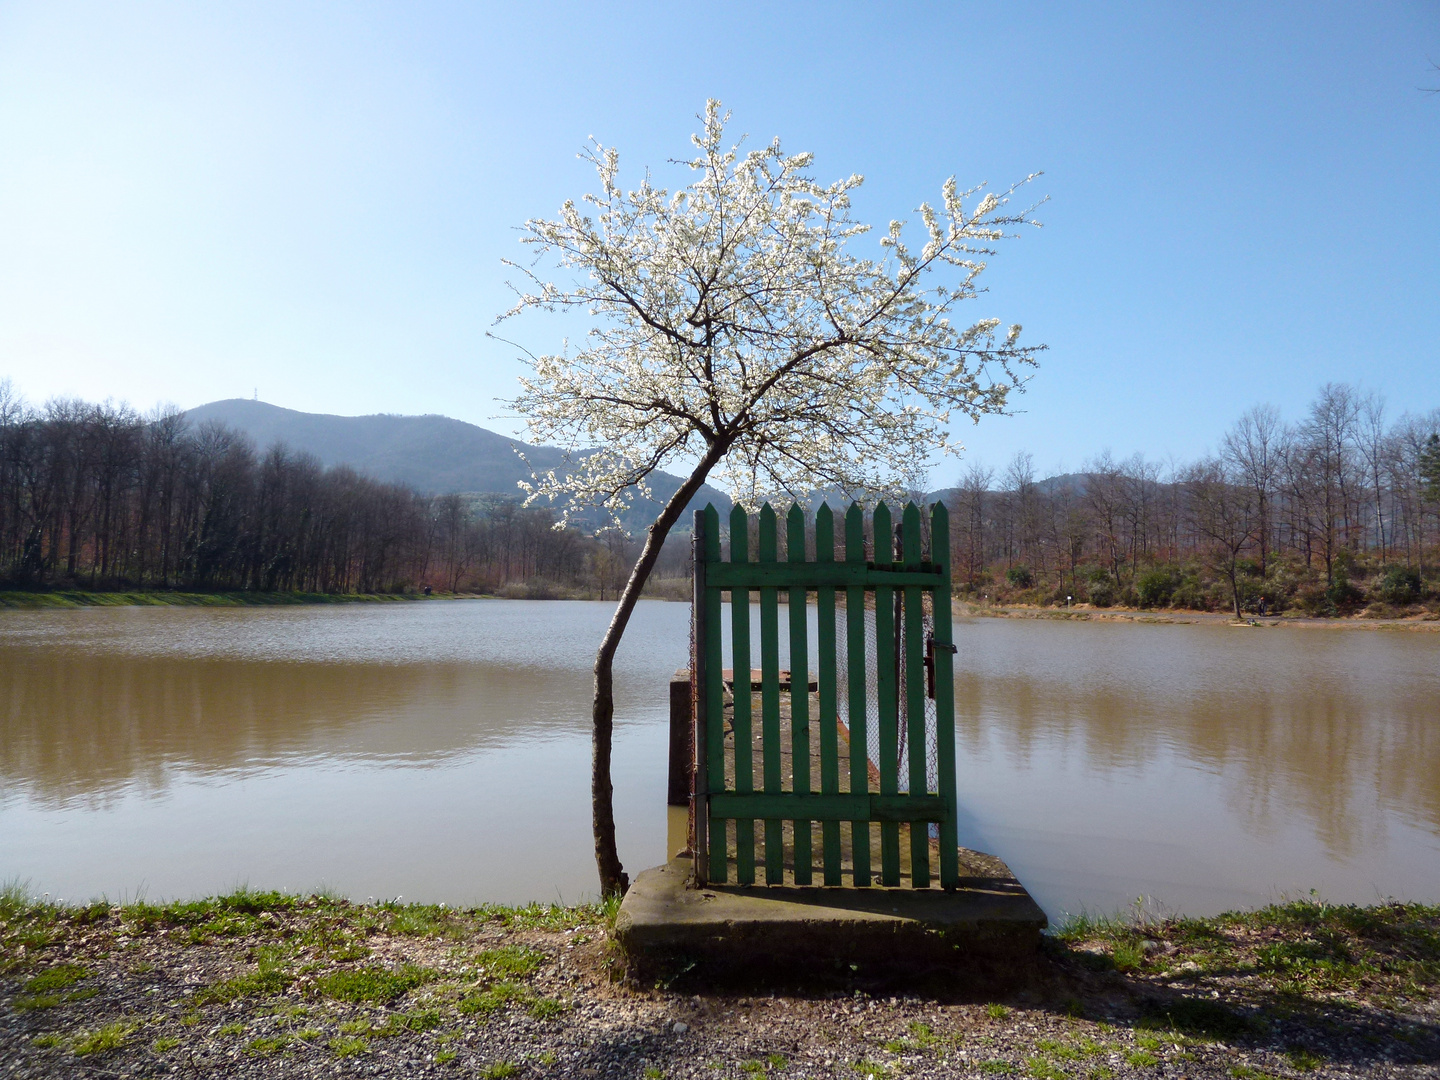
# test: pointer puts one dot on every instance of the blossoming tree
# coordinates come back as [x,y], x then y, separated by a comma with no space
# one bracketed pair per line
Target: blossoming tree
[737,336]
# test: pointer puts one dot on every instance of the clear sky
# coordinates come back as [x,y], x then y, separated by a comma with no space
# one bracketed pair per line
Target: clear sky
[200,201]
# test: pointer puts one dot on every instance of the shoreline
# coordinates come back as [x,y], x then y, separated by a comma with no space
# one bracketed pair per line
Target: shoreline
[1422,623]
[265,984]
[73,599]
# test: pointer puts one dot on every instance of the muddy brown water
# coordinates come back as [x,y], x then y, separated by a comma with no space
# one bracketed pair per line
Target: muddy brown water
[439,751]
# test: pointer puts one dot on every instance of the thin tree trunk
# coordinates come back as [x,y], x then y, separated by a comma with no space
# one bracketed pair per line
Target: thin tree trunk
[613,879]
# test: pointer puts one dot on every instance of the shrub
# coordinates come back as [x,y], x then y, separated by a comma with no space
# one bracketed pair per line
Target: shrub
[1156,586]
[1400,585]
[1020,577]
[1102,592]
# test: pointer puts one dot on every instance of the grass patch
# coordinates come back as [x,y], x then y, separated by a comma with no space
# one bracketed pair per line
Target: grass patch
[493,998]
[872,1070]
[444,1057]
[499,1071]
[268,1044]
[1384,953]
[264,982]
[235,1027]
[373,983]
[547,1008]
[1041,1069]
[56,978]
[348,1046]
[165,1044]
[996,1012]
[550,916]
[110,1037]
[509,961]
[49,1039]
[400,1023]
[995,1067]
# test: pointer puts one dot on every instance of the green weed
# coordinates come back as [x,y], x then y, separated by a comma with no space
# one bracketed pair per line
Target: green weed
[499,1071]
[268,1044]
[110,1037]
[373,983]
[235,1027]
[996,1012]
[547,1008]
[996,1067]
[56,978]
[49,1039]
[509,961]
[492,998]
[1303,1060]
[165,1044]
[420,1020]
[872,1070]
[348,1046]
[1041,1069]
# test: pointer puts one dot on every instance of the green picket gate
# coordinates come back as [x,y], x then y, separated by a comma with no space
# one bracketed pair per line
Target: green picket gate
[890,677]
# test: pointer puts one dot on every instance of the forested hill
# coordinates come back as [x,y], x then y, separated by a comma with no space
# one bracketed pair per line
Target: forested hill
[435,455]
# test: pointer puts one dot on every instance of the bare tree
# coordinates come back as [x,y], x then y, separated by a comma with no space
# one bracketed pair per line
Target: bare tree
[1223,508]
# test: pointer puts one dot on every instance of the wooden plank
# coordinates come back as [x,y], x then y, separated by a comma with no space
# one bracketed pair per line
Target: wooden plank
[740,659]
[886,692]
[945,700]
[813,575]
[770,697]
[786,806]
[714,690]
[855,665]
[799,691]
[914,692]
[825,683]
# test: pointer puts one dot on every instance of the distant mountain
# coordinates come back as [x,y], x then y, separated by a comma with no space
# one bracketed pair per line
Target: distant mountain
[436,455]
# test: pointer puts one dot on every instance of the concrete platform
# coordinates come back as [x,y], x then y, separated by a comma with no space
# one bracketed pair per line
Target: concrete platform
[985,933]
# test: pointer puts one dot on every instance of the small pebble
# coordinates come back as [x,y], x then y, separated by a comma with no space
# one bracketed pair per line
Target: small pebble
[680,1027]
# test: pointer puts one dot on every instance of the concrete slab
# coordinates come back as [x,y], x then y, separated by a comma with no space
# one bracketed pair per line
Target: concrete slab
[987,931]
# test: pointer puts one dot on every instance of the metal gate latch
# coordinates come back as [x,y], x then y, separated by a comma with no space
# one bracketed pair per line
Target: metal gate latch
[930,646]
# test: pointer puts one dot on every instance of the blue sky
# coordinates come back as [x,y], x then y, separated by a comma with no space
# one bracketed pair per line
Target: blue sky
[312,201]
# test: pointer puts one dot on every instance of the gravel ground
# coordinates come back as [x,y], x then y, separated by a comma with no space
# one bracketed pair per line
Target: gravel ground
[265,986]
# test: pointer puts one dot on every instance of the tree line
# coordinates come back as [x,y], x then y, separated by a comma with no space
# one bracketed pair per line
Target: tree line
[1332,512]
[97,496]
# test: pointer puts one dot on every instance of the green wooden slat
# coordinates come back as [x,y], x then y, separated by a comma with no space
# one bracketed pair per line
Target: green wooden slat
[914,691]
[740,659]
[855,664]
[886,693]
[945,701]
[812,575]
[799,690]
[891,809]
[825,661]
[770,698]
[714,662]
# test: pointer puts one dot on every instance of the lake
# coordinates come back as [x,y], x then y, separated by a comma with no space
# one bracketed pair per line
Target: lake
[440,751]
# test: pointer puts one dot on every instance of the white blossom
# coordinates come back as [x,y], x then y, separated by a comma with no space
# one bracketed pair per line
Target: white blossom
[735,325]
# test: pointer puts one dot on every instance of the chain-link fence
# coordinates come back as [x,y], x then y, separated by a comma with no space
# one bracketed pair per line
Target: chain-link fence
[870,664]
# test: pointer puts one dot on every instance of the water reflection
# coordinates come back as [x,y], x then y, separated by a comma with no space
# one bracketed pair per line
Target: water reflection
[441,750]
[1231,764]
[436,750]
